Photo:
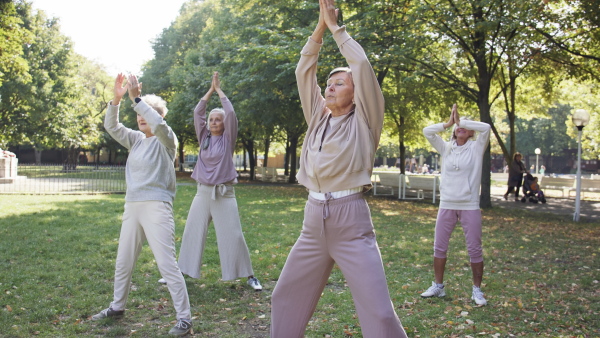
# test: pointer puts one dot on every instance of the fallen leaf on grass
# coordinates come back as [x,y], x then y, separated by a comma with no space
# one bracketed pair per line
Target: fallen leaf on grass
[8,308]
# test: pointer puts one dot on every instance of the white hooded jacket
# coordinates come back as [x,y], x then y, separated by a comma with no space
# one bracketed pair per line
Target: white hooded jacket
[461,165]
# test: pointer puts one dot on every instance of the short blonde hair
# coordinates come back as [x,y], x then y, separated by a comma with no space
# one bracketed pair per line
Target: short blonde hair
[157,103]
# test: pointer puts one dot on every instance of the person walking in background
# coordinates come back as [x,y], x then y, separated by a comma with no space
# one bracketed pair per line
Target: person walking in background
[337,159]
[215,199]
[516,170]
[150,177]
[459,197]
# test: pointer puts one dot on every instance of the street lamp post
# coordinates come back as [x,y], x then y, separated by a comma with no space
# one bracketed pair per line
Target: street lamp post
[436,163]
[580,119]
[537,154]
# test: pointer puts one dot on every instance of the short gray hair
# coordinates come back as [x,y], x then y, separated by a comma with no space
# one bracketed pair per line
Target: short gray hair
[214,111]
[157,103]
[340,70]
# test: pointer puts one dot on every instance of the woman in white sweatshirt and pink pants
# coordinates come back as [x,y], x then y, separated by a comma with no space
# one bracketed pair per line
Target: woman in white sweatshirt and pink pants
[462,158]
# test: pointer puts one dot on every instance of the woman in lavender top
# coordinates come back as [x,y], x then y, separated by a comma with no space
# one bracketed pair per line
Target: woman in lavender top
[215,199]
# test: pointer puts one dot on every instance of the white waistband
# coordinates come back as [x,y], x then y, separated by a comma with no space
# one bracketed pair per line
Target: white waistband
[334,194]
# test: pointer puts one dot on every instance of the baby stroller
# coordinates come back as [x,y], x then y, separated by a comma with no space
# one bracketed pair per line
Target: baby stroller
[531,190]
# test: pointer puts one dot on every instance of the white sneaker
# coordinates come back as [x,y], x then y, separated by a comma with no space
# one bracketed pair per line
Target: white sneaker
[434,291]
[162,281]
[478,296]
[255,284]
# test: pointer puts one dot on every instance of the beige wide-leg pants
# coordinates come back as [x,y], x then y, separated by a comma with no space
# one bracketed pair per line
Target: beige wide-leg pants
[216,203]
[152,221]
[335,231]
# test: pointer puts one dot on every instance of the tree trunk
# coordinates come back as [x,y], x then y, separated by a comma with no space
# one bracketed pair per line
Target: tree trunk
[181,154]
[293,158]
[286,160]
[38,156]
[266,155]
[249,146]
[486,179]
[244,160]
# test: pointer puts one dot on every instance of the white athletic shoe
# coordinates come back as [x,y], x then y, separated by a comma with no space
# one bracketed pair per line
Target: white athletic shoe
[434,291]
[162,281]
[478,296]
[255,284]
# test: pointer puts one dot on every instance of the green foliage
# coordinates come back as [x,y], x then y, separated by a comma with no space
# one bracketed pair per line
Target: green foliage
[12,38]
[56,100]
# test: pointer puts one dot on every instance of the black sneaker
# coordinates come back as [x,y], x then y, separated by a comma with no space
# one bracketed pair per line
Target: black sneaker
[109,312]
[183,327]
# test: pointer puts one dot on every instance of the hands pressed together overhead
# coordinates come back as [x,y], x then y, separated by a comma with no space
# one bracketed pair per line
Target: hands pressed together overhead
[454,117]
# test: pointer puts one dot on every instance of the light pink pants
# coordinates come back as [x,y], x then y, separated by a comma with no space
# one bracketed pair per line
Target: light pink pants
[338,231]
[152,221]
[470,220]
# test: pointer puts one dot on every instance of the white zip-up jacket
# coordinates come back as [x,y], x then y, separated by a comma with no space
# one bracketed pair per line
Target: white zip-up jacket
[461,165]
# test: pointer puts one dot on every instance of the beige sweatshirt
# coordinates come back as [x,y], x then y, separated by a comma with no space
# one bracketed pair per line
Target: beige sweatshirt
[343,159]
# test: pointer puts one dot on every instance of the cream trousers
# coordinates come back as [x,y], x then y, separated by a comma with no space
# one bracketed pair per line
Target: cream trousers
[223,211]
[152,221]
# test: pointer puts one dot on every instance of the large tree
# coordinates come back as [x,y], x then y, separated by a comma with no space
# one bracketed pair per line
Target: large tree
[479,38]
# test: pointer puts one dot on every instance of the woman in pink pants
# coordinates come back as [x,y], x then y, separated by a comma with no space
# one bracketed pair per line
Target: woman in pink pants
[344,127]
[459,196]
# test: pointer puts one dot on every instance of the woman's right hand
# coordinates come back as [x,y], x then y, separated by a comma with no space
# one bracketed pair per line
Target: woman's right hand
[119,90]
[329,14]
[216,83]
[452,119]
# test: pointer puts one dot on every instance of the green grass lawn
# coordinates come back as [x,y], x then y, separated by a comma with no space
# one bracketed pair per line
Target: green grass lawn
[57,256]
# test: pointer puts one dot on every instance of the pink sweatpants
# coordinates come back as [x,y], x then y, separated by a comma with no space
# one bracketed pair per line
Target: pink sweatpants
[470,220]
[337,231]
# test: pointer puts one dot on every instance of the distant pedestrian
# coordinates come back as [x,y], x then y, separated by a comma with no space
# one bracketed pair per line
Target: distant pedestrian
[515,176]
[462,158]
[150,176]
[542,170]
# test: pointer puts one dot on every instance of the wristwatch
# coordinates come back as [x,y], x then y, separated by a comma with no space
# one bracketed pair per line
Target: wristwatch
[138,99]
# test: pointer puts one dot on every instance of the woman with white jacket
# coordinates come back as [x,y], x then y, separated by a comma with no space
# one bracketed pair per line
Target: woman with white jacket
[462,158]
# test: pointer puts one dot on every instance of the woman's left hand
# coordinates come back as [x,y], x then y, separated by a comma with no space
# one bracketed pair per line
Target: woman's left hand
[329,14]
[455,114]
[134,87]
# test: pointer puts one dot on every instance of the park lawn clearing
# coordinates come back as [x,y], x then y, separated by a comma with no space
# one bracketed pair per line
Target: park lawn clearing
[57,256]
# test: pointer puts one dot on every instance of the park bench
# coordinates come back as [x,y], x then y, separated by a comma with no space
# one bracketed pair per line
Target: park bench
[419,183]
[557,183]
[267,173]
[587,185]
[389,179]
[188,165]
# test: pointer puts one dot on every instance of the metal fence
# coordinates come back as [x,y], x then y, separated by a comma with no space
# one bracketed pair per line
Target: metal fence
[57,179]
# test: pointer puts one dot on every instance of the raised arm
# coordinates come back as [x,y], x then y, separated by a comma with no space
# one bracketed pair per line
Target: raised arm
[431,132]
[125,136]
[200,111]
[157,123]
[306,72]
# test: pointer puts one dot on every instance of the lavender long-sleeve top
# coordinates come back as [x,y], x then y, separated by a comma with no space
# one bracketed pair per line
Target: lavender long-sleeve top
[215,163]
